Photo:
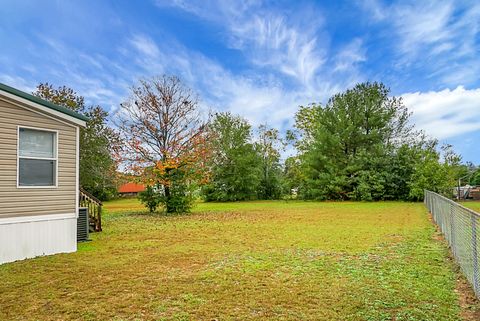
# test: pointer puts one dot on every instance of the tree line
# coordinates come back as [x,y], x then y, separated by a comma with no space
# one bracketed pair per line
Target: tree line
[360,145]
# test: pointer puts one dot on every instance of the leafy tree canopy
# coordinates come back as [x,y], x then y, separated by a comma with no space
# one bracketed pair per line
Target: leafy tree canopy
[360,146]
[234,164]
[98,141]
[165,142]
[268,146]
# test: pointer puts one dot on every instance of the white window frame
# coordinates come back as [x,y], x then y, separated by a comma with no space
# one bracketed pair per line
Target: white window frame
[42,158]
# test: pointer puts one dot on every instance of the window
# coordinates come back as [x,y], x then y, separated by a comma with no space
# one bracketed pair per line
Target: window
[37,158]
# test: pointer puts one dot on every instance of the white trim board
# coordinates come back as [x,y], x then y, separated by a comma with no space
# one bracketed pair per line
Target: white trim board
[77,171]
[36,218]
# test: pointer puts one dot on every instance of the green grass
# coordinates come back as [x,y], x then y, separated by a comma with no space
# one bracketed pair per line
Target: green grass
[266,260]
[474,205]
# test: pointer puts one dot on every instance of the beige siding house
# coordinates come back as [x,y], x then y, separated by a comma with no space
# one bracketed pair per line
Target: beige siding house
[38,176]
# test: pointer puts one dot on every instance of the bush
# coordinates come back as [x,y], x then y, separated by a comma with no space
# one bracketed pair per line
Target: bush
[177,196]
[150,198]
[180,199]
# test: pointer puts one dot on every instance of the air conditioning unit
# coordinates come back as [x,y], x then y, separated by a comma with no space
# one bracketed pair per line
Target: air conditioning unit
[82,225]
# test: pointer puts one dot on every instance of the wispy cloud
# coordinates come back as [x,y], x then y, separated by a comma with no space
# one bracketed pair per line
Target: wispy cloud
[260,59]
[213,10]
[145,45]
[271,40]
[259,99]
[91,74]
[17,82]
[288,44]
[286,55]
[424,25]
[375,7]
[352,54]
[438,38]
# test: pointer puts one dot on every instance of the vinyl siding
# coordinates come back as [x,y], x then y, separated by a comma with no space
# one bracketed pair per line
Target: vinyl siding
[15,202]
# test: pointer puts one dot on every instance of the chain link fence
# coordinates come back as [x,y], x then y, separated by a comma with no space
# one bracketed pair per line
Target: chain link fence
[461,228]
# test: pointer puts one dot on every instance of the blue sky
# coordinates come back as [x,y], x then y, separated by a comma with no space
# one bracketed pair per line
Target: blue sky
[260,59]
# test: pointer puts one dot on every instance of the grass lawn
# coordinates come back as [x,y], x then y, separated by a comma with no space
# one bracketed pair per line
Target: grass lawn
[474,205]
[244,261]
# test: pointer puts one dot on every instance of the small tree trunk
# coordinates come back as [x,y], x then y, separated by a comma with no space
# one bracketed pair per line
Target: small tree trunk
[168,198]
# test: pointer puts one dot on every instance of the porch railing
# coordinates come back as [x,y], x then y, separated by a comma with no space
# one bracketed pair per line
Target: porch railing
[94,206]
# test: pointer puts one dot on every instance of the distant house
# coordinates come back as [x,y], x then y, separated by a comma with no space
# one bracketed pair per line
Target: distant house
[39,175]
[130,189]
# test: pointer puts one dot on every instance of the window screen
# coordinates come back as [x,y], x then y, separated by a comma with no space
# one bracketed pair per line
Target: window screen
[37,158]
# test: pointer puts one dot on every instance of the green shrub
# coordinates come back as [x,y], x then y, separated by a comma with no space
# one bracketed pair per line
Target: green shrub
[177,197]
[150,198]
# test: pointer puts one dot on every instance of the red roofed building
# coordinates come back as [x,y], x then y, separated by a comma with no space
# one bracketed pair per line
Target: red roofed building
[130,189]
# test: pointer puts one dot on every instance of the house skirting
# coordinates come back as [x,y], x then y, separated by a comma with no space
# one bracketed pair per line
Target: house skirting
[28,237]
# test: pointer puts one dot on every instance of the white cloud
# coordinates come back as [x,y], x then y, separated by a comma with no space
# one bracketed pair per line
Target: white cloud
[213,10]
[435,38]
[280,42]
[270,40]
[430,28]
[259,100]
[352,54]
[16,82]
[447,113]
[145,45]
[423,24]
[90,74]
[288,57]
[377,11]
[260,104]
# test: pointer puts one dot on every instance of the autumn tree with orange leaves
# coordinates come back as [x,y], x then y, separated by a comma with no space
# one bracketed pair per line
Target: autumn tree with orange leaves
[165,140]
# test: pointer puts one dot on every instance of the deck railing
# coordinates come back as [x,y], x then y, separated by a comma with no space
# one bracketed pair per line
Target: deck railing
[94,206]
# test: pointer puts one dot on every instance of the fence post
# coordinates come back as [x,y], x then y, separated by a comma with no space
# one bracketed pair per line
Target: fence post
[475,254]
[452,231]
[452,220]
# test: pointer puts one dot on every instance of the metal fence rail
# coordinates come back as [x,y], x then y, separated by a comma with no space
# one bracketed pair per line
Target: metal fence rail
[461,229]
